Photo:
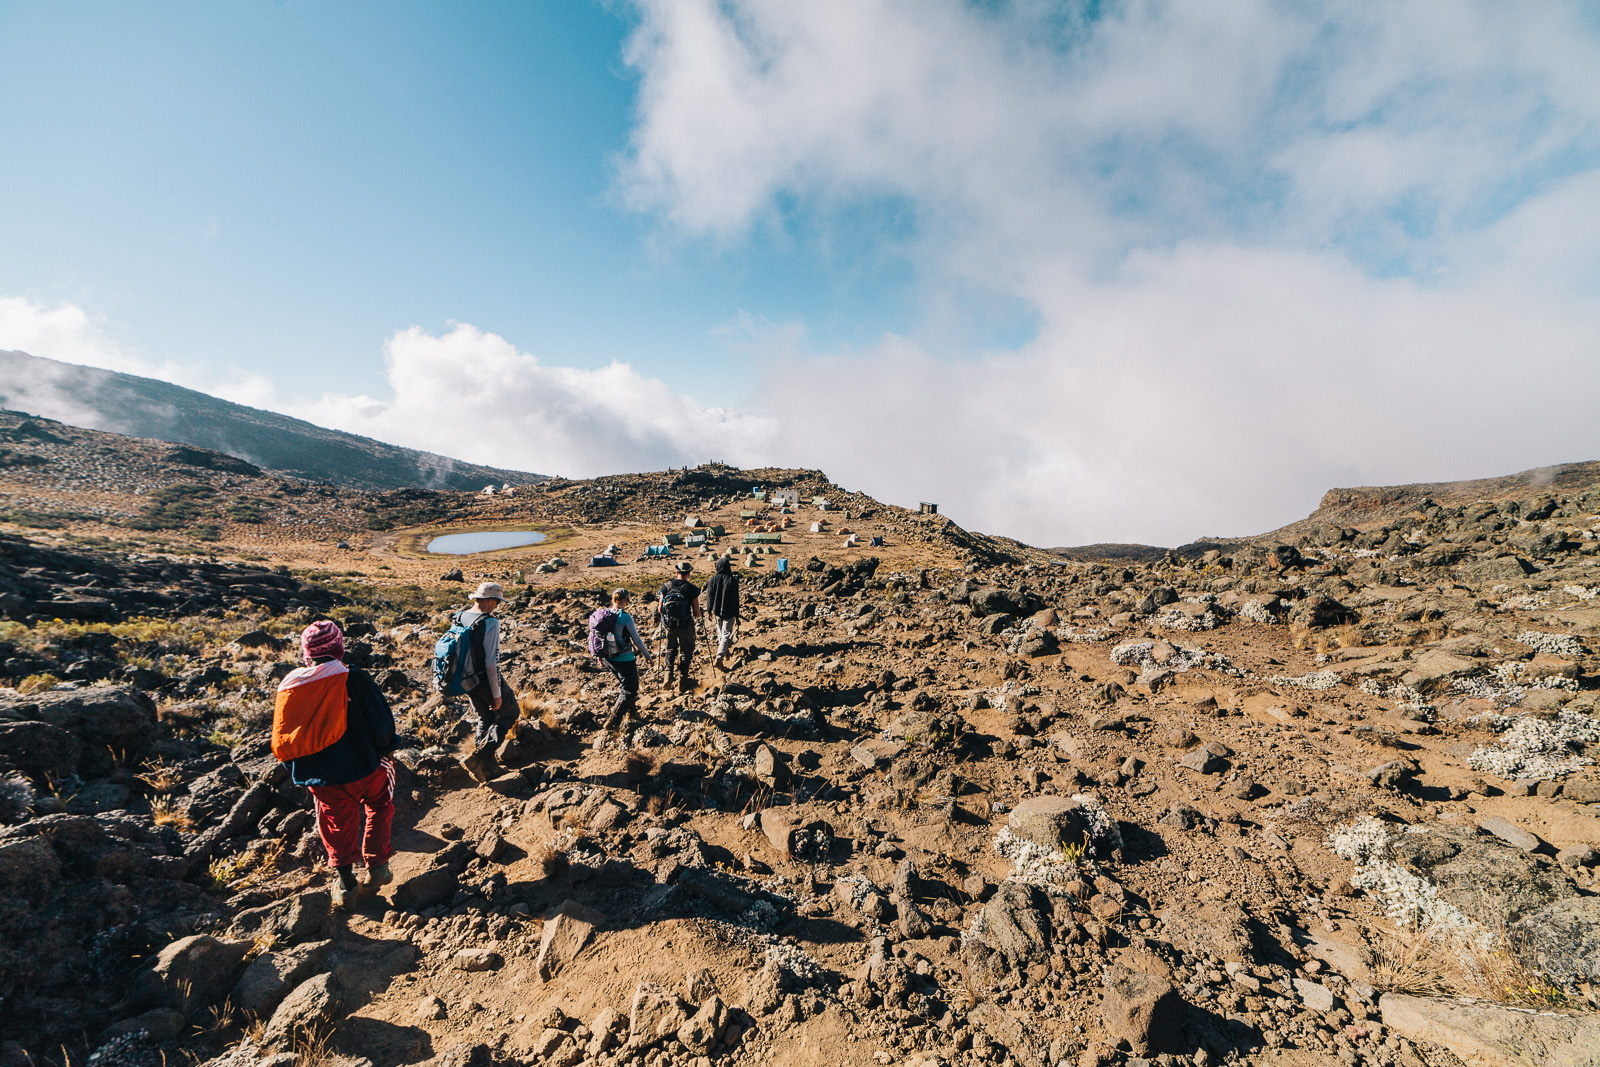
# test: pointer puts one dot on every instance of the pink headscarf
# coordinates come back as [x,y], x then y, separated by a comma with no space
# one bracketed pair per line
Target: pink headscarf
[322,639]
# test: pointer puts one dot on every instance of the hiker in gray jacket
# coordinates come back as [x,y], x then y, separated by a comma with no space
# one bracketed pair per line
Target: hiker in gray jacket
[494,705]
[624,664]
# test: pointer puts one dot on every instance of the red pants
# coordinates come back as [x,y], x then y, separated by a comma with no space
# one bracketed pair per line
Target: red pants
[339,817]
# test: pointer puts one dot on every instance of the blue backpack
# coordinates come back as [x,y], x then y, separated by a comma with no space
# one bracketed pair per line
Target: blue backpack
[451,654]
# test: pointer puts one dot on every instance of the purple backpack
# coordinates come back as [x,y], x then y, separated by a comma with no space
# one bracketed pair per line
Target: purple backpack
[603,633]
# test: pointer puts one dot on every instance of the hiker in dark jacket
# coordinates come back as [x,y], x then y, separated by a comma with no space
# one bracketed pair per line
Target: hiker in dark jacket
[722,601]
[679,610]
[352,778]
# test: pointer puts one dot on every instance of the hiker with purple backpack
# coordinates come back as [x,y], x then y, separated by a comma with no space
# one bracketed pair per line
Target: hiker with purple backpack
[614,641]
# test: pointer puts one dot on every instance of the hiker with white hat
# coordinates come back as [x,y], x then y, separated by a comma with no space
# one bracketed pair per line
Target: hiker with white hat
[494,705]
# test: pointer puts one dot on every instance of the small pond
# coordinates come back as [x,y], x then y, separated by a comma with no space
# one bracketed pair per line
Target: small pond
[461,544]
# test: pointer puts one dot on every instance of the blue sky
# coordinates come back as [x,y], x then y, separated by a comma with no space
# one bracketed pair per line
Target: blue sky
[1113,271]
[281,186]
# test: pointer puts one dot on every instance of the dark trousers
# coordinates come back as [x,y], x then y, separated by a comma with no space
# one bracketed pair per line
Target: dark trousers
[627,672]
[489,727]
[680,650]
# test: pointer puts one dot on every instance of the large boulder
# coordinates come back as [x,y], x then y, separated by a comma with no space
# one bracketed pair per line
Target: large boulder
[286,922]
[992,601]
[1048,821]
[1141,1009]
[242,817]
[191,972]
[1563,939]
[883,976]
[270,976]
[426,889]
[1498,569]
[39,748]
[111,722]
[565,935]
[705,1028]
[1316,612]
[656,1014]
[1013,929]
[797,837]
[1492,1035]
[29,869]
[1492,881]
[1436,667]
[313,1005]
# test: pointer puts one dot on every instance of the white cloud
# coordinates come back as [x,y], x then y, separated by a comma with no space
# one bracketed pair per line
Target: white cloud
[66,333]
[473,395]
[1273,248]
[63,332]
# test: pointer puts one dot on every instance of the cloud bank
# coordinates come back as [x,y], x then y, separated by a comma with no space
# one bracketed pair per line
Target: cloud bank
[474,396]
[1272,248]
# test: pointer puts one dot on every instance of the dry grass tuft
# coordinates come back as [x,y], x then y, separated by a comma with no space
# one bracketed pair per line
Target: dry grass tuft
[219,1017]
[37,683]
[1411,962]
[160,777]
[637,766]
[248,868]
[1427,963]
[550,858]
[311,1048]
[1499,972]
[164,811]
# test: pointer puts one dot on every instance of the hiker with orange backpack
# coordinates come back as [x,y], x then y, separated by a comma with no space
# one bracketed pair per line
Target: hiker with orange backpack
[332,725]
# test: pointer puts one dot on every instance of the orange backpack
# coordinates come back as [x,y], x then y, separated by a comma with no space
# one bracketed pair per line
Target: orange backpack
[311,711]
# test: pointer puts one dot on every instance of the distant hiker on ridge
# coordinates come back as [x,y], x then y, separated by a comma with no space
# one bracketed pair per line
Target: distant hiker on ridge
[722,601]
[679,609]
[332,725]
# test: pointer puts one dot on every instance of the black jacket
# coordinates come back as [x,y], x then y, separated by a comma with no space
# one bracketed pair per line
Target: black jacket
[368,737]
[722,592]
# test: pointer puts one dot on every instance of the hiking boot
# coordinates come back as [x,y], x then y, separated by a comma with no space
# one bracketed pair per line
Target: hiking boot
[379,875]
[342,897]
[716,664]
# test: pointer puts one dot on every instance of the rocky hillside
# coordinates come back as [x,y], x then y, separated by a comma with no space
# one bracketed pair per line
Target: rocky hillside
[1321,799]
[144,407]
[1364,508]
[1577,484]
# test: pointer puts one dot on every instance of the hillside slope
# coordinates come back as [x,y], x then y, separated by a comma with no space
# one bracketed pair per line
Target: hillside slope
[1364,508]
[143,407]
[944,804]
[1367,506]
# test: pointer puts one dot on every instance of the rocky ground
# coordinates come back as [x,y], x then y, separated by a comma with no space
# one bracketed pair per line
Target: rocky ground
[1314,799]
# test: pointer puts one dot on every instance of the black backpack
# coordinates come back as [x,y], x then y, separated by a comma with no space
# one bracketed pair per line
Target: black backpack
[675,607]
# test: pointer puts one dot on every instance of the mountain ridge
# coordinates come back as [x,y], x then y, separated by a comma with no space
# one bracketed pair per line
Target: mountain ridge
[144,407]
